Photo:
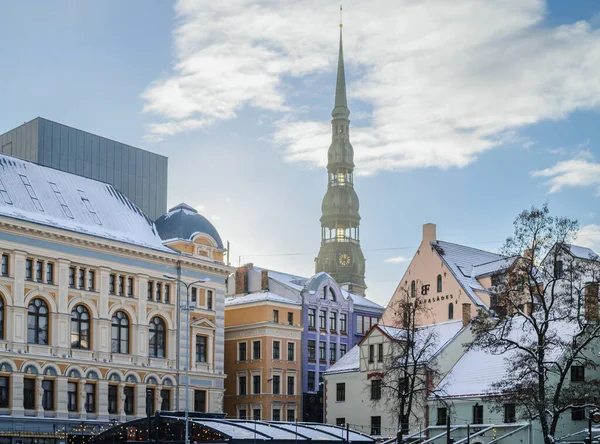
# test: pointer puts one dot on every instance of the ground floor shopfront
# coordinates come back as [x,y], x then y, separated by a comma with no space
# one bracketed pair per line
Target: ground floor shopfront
[33,430]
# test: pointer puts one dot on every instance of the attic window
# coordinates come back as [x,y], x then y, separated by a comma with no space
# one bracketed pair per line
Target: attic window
[4,193]
[32,194]
[89,207]
[61,200]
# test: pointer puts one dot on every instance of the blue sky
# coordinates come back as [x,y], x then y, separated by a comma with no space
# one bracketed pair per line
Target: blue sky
[463,113]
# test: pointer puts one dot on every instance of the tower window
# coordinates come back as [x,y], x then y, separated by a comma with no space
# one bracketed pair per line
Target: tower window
[439,283]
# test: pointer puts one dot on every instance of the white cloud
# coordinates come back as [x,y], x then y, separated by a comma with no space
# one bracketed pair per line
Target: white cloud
[396,260]
[580,171]
[445,81]
[589,236]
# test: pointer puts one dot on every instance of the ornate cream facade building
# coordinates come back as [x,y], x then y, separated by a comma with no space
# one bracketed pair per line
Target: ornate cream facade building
[90,328]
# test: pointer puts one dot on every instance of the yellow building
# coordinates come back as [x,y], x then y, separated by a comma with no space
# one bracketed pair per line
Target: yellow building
[263,335]
[90,330]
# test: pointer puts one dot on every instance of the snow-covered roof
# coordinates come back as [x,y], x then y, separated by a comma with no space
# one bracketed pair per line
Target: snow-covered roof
[492,267]
[477,370]
[57,199]
[461,259]
[347,363]
[581,252]
[260,296]
[363,303]
[290,280]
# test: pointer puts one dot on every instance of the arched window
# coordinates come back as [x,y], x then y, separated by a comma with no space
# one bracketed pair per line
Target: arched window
[80,328]
[157,338]
[450,311]
[413,289]
[37,322]
[1,317]
[120,333]
[439,283]
[331,294]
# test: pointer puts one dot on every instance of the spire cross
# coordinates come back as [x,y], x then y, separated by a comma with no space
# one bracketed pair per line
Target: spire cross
[341,25]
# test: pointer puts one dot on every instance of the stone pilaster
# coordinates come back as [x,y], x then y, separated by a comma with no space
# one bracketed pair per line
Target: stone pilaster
[16,392]
[102,400]
[61,388]
[140,400]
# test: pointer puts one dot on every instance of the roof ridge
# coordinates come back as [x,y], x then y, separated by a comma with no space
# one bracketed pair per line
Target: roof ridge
[467,246]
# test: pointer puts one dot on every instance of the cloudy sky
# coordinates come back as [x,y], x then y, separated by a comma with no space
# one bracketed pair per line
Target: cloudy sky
[463,113]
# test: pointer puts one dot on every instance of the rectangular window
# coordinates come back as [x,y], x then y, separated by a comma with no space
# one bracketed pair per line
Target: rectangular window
[200,401]
[90,398]
[577,373]
[332,321]
[194,295]
[291,415]
[39,271]
[242,387]
[4,270]
[322,351]
[379,352]
[477,414]
[61,200]
[129,400]
[255,349]
[290,318]
[89,207]
[371,353]
[4,391]
[129,286]
[311,350]
[150,289]
[111,284]
[276,384]
[158,291]
[340,422]
[441,416]
[375,425]
[241,351]
[91,284]
[112,399]
[72,397]
[49,272]
[209,299]
[121,285]
[48,396]
[31,193]
[256,414]
[29,394]
[276,414]
[4,194]
[242,414]
[578,413]
[311,381]
[167,293]
[29,269]
[276,350]
[276,316]
[291,352]
[343,322]
[81,278]
[559,272]
[342,350]
[291,385]
[200,348]
[510,413]
[340,390]
[311,318]
[256,384]
[72,277]
[360,329]
[322,319]
[376,389]
[332,352]
[165,395]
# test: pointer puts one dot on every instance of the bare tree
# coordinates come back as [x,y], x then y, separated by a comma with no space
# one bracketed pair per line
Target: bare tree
[544,317]
[408,373]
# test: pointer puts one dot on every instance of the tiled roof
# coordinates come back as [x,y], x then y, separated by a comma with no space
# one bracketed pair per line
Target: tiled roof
[57,199]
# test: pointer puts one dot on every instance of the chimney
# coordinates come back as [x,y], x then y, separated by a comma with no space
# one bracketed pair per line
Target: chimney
[429,234]
[466,314]
[591,303]
[264,280]
[241,280]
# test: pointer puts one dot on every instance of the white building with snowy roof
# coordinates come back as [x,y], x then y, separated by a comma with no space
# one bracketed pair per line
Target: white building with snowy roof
[90,329]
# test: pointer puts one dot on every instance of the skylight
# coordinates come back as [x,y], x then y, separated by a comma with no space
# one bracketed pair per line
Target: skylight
[4,193]
[89,207]
[32,194]
[61,200]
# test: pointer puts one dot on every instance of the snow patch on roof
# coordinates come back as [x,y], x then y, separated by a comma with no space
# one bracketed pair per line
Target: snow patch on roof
[262,296]
[582,252]
[361,301]
[347,363]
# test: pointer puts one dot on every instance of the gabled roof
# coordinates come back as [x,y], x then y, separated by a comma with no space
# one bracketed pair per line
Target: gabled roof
[259,296]
[581,252]
[45,196]
[348,363]
[461,260]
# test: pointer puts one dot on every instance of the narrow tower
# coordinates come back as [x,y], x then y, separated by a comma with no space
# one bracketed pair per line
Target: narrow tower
[340,254]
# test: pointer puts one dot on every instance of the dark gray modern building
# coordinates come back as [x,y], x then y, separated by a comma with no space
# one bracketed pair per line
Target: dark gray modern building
[140,175]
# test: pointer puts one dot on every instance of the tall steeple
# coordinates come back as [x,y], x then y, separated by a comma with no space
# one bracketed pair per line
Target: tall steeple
[340,254]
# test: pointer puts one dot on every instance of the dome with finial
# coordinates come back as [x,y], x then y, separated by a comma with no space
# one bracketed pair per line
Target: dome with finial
[183,222]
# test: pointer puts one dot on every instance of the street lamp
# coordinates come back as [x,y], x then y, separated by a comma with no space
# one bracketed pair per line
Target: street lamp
[187,307]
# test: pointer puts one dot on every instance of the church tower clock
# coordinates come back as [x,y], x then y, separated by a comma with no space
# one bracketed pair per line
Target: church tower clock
[340,254]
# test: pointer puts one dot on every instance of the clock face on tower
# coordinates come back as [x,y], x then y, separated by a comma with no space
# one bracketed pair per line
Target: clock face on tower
[344,259]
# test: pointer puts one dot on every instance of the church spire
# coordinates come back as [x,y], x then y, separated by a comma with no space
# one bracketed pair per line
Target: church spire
[341,104]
